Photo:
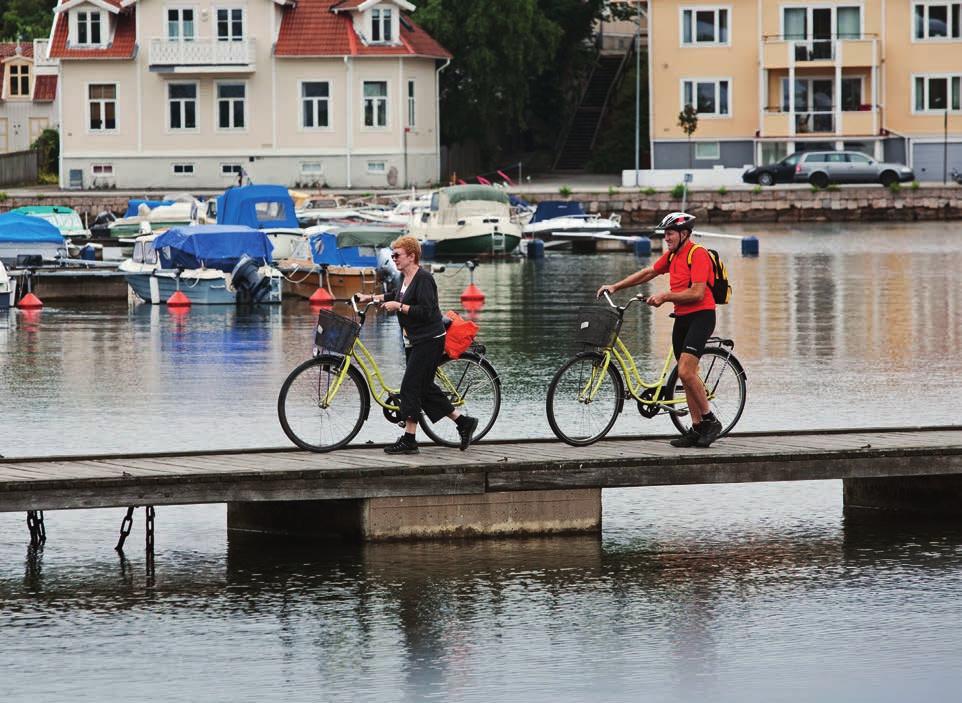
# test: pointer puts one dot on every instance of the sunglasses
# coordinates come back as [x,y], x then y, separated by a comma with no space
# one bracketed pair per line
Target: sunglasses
[394,255]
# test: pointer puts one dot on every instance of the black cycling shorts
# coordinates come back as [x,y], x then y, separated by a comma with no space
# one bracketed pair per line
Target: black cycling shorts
[691,332]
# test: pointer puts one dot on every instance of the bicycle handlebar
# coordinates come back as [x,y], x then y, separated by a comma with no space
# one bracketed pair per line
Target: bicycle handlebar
[622,308]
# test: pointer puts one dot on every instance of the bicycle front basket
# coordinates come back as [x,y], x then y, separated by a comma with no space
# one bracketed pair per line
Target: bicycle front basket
[598,326]
[335,333]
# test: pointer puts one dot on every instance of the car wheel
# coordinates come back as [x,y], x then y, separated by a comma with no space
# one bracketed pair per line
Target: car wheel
[819,180]
[766,179]
[888,178]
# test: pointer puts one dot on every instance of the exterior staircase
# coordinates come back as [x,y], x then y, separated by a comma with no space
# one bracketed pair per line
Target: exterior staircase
[579,140]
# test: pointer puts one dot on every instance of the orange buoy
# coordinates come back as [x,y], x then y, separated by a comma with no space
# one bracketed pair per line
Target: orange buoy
[321,298]
[472,294]
[30,302]
[178,300]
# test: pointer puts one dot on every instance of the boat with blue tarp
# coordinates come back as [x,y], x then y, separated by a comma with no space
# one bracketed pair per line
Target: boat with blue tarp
[269,208]
[210,264]
[565,222]
[28,236]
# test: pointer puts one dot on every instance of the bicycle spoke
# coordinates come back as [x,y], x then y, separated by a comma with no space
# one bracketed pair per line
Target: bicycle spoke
[583,400]
[472,388]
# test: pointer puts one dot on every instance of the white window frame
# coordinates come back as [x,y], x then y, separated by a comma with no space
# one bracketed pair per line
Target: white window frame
[377,167]
[703,8]
[925,26]
[412,103]
[230,22]
[106,170]
[714,153]
[384,111]
[949,78]
[183,173]
[809,37]
[102,102]
[217,99]
[235,168]
[329,100]
[717,81]
[310,173]
[184,130]
[22,71]
[391,24]
[89,22]
[181,34]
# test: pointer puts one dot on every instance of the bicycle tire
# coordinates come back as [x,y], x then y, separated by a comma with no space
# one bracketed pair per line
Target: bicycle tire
[305,422]
[479,386]
[724,371]
[565,407]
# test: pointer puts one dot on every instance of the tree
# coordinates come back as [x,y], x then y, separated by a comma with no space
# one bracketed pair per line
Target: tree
[688,121]
[25,19]
[512,62]
[48,144]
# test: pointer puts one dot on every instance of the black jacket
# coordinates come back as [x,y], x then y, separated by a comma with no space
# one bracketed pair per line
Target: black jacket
[423,319]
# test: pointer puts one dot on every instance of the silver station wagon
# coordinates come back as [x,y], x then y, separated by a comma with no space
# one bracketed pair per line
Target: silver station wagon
[823,167]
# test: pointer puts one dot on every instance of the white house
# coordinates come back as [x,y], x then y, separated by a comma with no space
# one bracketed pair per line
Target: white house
[185,94]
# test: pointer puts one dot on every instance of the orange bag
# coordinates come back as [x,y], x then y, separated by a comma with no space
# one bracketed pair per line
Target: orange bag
[460,334]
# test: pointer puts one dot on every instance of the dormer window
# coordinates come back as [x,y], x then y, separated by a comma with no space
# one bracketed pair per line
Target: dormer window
[19,81]
[382,25]
[88,28]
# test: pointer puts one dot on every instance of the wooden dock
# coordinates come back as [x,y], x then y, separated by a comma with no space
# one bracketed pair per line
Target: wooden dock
[365,472]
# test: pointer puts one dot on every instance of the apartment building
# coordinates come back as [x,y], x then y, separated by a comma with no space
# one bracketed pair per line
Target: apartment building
[28,100]
[769,78]
[187,94]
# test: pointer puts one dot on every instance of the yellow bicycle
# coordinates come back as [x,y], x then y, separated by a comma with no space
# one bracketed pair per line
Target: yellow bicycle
[324,402]
[588,392]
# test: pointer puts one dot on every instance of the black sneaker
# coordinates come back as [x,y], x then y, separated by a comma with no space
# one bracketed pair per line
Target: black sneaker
[466,427]
[708,432]
[689,439]
[403,446]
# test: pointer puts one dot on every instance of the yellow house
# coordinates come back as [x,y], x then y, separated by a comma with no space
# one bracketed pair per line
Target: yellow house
[28,96]
[769,78]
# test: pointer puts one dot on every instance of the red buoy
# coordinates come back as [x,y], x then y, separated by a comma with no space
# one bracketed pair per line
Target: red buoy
[321,298]
[178,300]
[30,302]
[472,294]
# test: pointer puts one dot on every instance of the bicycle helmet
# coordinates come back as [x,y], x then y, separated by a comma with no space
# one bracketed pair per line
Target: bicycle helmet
[677,221]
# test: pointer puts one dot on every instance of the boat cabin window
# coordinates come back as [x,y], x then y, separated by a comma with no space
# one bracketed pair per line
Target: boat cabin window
[144,253]
[271,210]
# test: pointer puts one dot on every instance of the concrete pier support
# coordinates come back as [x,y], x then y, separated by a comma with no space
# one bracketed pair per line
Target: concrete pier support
[935,496]
[425,517]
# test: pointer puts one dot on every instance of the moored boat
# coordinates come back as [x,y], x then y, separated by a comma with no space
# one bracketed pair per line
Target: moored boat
[468,220]
[8,289]
[28,240]
[564,222]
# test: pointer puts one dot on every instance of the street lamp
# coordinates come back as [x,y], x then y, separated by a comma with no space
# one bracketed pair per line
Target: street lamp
[638,95]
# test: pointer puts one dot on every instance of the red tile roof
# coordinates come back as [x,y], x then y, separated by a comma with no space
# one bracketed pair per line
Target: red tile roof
[9,49]
[45,89]
[311,29]
[123,46]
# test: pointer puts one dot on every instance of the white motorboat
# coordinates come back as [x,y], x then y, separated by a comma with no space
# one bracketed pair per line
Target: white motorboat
[565,221]
[8,289]
[468,220]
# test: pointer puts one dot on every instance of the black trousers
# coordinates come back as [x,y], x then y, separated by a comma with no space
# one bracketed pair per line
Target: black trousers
[418,390]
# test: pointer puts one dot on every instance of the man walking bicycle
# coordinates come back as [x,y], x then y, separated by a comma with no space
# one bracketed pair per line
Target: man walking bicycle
[690,292]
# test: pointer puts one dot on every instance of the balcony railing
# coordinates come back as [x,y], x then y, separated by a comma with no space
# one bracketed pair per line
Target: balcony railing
[851,50]
[198,53]
[777,122]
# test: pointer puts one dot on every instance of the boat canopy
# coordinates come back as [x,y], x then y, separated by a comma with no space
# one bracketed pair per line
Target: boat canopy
[18,228]
[257,206]
[549,209]
[134,205]
[63,218]
[459,194]
[376,237]
[211,246]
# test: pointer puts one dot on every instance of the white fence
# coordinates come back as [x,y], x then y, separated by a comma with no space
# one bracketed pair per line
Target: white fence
[668,177]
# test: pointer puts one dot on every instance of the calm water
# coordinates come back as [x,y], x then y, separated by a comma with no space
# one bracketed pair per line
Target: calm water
[724,593]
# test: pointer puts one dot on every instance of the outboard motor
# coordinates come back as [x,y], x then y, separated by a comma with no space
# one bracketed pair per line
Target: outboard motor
[387,274]
[250,285]
[957,176]
[100,227]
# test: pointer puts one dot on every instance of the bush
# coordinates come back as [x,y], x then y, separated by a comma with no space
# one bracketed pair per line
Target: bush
[895,187]
[833,187]
[723,190]
[48,144]
[756,190]
[564,191]
[611,191]
[915,185]
[678,191]
[647,191]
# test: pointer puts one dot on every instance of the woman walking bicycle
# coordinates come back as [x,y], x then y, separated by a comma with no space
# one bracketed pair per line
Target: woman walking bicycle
[416,305]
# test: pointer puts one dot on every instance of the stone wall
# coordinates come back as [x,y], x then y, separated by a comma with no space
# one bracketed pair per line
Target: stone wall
[777,205]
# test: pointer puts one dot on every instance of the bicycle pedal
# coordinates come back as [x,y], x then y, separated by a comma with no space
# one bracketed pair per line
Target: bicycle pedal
[678,413]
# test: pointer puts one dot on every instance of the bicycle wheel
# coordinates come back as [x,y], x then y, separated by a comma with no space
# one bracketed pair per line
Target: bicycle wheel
[309,421]
[724,381]
[473,387]
[582,404]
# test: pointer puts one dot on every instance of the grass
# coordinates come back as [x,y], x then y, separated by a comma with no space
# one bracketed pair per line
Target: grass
[611,191]
[564,191]
[647,191]
[756,190]
[678,191]
[915,185]
[3,195]
[723,190]
[895,187]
